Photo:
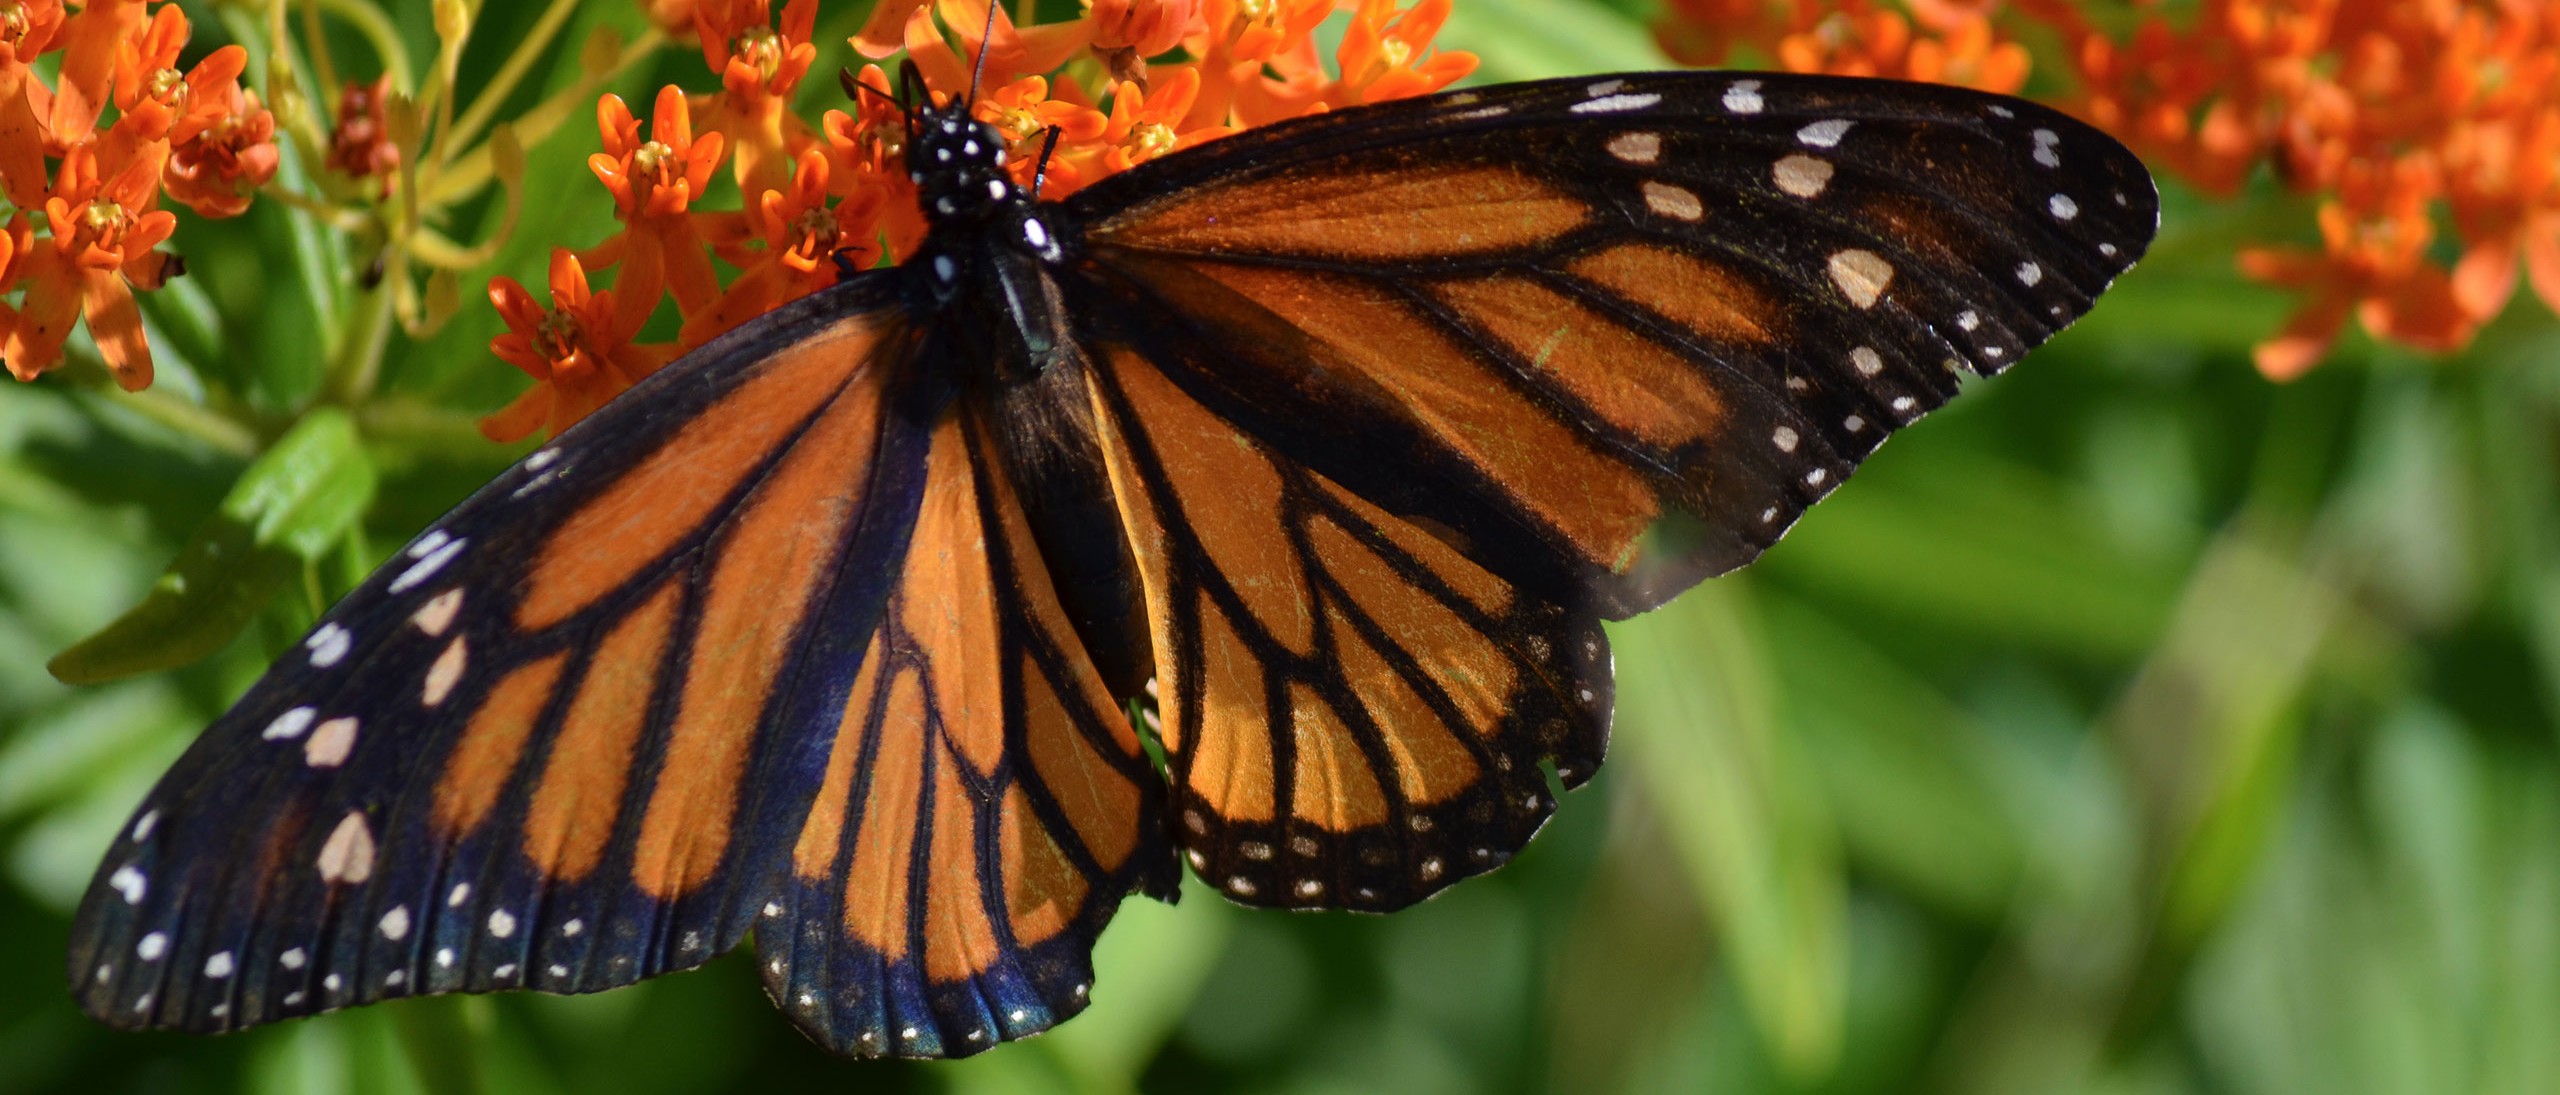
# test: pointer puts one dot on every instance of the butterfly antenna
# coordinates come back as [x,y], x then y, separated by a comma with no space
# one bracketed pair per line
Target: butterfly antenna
[855,89]
[985,34]
[1040,171]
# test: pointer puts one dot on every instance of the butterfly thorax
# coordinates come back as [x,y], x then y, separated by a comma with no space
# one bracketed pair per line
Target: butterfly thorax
[986,245]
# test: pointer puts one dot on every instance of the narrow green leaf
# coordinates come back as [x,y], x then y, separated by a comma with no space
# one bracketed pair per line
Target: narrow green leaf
[292,503]
[1698,710]
[1534,39]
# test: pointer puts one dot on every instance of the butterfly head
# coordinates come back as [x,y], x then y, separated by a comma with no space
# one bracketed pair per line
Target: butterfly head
[957,164]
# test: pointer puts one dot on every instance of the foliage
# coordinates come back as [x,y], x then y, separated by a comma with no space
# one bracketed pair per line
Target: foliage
[2134,725]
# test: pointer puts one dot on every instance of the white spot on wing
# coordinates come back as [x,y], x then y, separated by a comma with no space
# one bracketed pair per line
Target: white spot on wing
[1785,438]
[1743,97]
[1636,147]
[1672,201]
[445,673]
[1867,360]
[1606,87]
[436,538]
[347,856]
[331,743]
[1969,319]
[2029,273]
[426,568]
[1861,275]
[461,893]
[1801,175]
[1825,133]
[289,725]
[328,645]
[502,923]
[291,959]
[1612,104]
[220,965]
[437,614]
[128,881]
[2062,206]
[143,825]
[395,924]
[152,947]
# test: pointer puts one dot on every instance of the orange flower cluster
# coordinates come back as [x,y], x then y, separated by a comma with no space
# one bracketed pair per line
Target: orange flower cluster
[2400,116]
[86,189]
[1938,41]
[836,194]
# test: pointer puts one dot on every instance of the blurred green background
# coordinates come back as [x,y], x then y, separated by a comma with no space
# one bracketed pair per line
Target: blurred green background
[2133,725]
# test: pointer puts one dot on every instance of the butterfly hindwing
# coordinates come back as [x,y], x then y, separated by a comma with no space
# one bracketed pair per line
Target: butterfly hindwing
[550,745]
[1613,334]
[1354,714]
[986,806]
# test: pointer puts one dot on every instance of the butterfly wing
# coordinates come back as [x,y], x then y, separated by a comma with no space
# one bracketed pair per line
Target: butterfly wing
[562,741]
[1399,401]
[1612,335]
[985,807]
[1353,713]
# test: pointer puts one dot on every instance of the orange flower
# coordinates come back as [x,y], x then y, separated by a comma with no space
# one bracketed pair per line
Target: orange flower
[759,68]
[359,145]
[1127,32]
[28,29]
[91,42]
[1024,113]
[578,351]
[802,240]
[866,158]
[1261,65]
[103,231]
[675,17]
[653,184]
[1010,51]
[218,165]
[1383,58]
[1145,126]
[2373,268]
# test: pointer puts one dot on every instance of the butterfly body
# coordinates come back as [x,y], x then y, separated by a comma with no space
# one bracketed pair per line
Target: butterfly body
[1332,442]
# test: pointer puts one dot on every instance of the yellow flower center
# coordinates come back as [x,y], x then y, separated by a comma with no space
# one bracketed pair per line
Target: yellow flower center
[1148,140]
[760,48]
[1019,123]
[813,231]
[13,23]
[102,216]
[557,337]
[170,86]
[652,159]
[1395,52]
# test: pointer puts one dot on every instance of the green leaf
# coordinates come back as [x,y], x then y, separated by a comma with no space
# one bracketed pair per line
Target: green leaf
[1698,709]
[1534,39]
[299,497]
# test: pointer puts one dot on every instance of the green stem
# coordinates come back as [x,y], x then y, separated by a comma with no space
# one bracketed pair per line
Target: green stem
[470,172]
[216,430]
[378,32]
[484,106]
[358,365]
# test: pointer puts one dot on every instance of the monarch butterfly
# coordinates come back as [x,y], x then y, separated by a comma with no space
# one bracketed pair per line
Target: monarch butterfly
[1345,433]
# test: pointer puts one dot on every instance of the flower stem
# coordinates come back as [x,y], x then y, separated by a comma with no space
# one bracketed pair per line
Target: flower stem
[378,32]
[470,171]
[484,106]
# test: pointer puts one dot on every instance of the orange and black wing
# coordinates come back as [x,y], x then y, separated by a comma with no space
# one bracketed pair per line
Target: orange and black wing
[985,805]
[1611,335]
[563,740]
[1354,714]
[1400,401]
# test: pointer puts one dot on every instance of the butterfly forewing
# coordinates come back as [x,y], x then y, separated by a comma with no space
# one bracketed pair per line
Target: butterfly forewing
[1613,334]
[556,742]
